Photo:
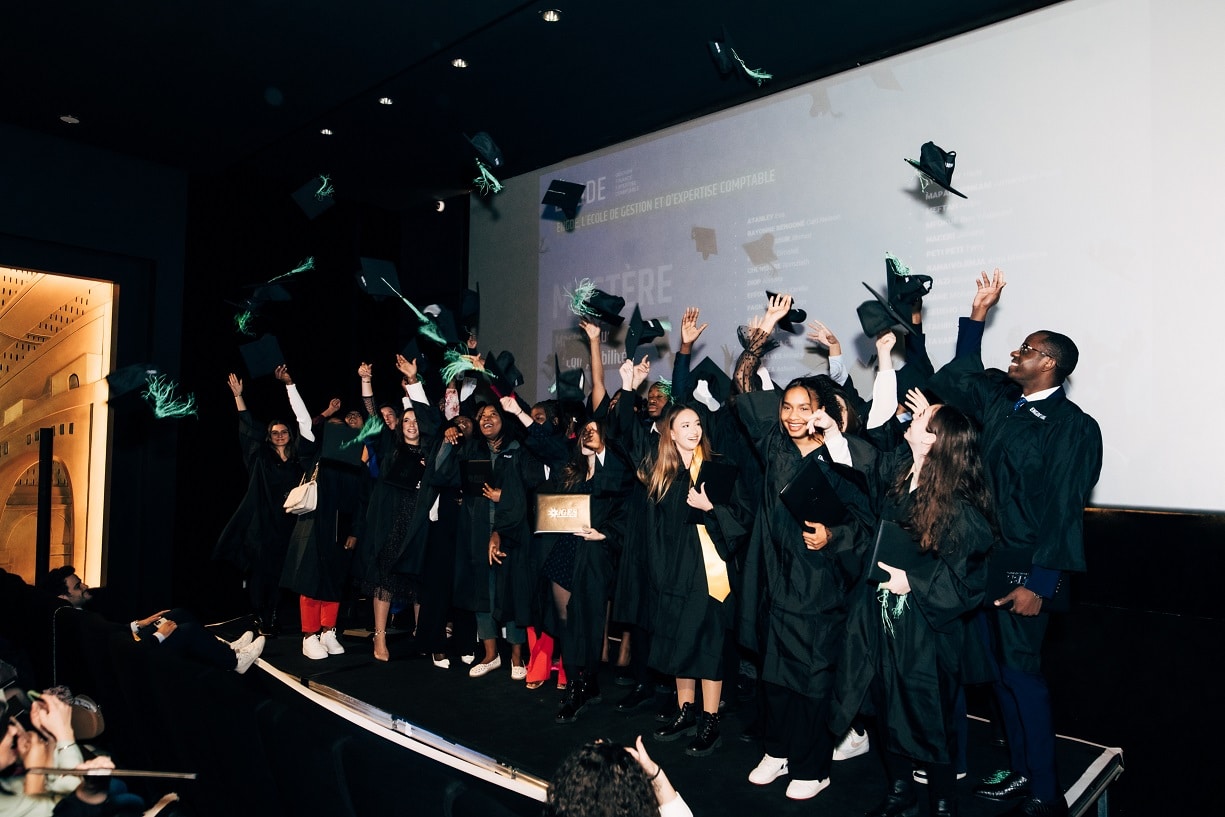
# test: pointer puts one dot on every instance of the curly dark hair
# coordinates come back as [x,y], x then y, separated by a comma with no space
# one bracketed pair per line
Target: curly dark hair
[600,779]
[953,471]
[824,394]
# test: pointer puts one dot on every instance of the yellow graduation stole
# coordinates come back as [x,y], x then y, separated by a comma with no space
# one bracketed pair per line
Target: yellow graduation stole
[717,585]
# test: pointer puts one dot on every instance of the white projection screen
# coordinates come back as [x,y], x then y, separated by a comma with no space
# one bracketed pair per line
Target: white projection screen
[1090,140]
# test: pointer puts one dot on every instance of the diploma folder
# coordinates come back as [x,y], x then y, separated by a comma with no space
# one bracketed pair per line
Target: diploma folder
[811,498]
[895,547]
[562,513]
[474,475]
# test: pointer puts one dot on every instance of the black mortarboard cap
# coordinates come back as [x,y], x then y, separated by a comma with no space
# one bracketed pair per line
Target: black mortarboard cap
[310,203]
[378,278]
[874,318]
[445,321]
[412,351]
[796,315]
[717,381]
[267,293]
[262,356]
[506,364]
[721,53]
[640,331]
[569,384]
[905,289]
[497,378]
[704,239]
[894,315]
[937,164]
[340,445]
[564,196]
[602,306]
[485,147]
[128,379]
[761,250]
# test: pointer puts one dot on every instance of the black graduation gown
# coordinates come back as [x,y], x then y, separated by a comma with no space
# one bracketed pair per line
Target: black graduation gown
[317,565]
[517,472]
[257,536]
[401,472]
[688,627]
[920,656]
[641,444]
[582,634]
[794,608]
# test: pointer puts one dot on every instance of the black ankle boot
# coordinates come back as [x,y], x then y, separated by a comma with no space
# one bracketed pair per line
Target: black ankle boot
[682,724]
[901,801]
[942,807]
[707,739]
[574,702]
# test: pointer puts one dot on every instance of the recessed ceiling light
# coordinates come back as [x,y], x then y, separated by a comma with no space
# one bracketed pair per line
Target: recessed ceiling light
[70,119]
[551,15]
[385,100]
[459,62]
[326,131]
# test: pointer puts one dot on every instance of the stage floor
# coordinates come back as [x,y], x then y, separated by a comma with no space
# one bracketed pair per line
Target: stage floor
[499,718]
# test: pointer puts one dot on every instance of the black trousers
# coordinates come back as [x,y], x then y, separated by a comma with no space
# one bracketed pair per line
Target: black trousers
[797,729]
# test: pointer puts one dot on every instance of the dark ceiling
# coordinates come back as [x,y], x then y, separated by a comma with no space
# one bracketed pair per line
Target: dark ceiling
[246,86]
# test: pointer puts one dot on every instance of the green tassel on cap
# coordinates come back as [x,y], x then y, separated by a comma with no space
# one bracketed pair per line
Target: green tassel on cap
[325,187]
[583,291]
[160,392]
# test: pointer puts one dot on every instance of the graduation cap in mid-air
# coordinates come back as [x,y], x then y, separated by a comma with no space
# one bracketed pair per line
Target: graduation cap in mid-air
[727,60]
[565,196]
[794,316]
[876,317]
[640,331]
[587,301]
[761,250]
[262,356]
[904,288]
[936,165]
[315,197]
[567,385]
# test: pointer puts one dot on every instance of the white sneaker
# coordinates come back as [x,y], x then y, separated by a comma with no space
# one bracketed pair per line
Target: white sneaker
[806,789]
[518,673]
[484,669]
[330,643]
[768,770]
[312,649]
[853,745]
[243,641]
[249,654]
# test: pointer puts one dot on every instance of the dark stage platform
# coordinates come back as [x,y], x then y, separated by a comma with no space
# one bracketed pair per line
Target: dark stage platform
[497,730]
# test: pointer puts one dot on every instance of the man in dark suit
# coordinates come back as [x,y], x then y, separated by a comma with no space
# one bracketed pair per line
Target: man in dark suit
[1043,455]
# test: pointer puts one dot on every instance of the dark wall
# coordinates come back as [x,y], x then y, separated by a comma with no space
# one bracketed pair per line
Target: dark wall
[75,210]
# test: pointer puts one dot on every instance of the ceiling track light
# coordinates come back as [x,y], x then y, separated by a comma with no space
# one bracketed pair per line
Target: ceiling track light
[551,15]
[385,100]
[326,131]
[459,62]
[70,119]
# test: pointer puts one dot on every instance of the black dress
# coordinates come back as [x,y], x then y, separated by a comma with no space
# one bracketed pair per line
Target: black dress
[317,565]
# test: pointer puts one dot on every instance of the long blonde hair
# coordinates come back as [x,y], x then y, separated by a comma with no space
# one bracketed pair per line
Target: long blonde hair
[668,462]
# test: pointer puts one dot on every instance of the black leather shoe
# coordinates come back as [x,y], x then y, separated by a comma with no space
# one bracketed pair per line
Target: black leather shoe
[707,738]
[753,732]
[1033,807]
[684,723]
[901,801]
[638,696]
[1003,785]
[581,692]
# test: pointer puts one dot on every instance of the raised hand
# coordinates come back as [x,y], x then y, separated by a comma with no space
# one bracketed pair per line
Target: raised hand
[641,372]
[987,294]
[365,371]
[821,334]
[407,367]
[282,374]
[235,384]
[916,401]
[591,328]
[777,309]
[690,330]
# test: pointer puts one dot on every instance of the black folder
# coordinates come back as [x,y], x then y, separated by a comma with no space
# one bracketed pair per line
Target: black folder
[719,477]
[895,547]
[811,498]
[474,474]
[1008,569]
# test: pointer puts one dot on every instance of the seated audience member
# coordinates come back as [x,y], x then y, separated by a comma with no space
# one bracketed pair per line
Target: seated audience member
[64,583]
[606,779]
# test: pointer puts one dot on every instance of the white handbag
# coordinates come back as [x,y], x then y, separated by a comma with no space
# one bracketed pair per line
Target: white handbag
[305,497]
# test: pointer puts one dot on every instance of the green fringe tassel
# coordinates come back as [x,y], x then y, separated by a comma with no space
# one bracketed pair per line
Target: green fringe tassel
[244,321]
[307,264]
[899,268]
[890,613]
[665,388]
[160,392]
[427,326]
[753,73]
[373,427]
[486,182]
[456,364]
[583,290]
[325,187]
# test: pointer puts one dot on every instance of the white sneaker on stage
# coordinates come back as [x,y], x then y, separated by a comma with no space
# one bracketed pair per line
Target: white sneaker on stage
[312,649]
[768,770]
[853,745]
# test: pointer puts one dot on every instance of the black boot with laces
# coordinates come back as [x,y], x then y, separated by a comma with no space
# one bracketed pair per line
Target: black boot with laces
[707,739]
[683,724]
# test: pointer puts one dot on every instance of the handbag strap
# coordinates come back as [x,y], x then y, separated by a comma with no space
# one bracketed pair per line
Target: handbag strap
[314,476]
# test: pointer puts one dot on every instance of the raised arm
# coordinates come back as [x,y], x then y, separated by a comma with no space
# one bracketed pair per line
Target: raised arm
[823,335]
[366,372]
[598,391]
[884,389]
[988,294]
[296,403]
[756,340]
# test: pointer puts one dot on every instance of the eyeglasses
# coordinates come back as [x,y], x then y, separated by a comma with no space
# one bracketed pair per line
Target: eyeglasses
[1025,349]
[276,433]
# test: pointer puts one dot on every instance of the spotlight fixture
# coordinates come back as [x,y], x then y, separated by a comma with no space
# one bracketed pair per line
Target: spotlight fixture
[459,62]
[385,100]
[551,15]
[70,119]
[439,205]
[326,131]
